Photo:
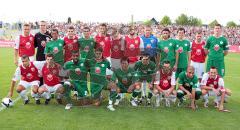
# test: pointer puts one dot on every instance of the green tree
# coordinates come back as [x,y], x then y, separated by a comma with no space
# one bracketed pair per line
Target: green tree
[213,23]
[231,24]
[182,20]
[193,21]
[166,21]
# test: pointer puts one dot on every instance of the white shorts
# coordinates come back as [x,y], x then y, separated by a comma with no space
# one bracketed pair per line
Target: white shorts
[115,63]
[199,68]
[51,89]
[27,85]
[31,58]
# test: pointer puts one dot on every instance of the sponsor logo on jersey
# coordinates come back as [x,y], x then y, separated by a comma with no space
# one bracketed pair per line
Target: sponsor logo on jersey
[165,83]
[29,76]
[49,77]
[198,52]
[216,47]
[55,50]
[97,70]
[43,43]
[149,46]
[180,49]
[115,48]
[165,49]
[78,71]
[28,45]
[131,47]
[86,48]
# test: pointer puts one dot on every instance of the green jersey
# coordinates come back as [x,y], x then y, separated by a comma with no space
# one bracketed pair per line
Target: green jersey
[182,47]
[77,71]
[166,48]
[186,82]
[145,72]
[56,48]
[87,48]
[216,47]
[124,78]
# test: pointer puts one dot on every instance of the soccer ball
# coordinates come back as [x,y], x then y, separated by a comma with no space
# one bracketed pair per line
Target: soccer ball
[7,102]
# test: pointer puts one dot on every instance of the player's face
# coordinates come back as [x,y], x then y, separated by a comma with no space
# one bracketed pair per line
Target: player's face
[166,67]
[145,60]
[165,34]
[148,31]
[26,30]
[190,73]
[213,73]
[102,29]
[71,33]
[25,62]
[43,26]
[114,32]
[124,65]
[98,54]
[86,32]
[54,35]
[49,60]
[217,30]
[199,37]
[132,31]
[75,57]
[181,34]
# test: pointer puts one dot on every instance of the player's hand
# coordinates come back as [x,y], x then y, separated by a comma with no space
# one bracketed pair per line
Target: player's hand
[216,91]
[10,94]
[167,94]
[193,106]
[189,95]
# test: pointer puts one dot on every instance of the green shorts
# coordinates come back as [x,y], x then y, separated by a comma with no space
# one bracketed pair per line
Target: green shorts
[219,64]
[123,88]
[96,90]
[81,87]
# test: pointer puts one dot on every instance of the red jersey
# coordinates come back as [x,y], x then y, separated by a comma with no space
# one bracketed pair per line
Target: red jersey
[197,52]
[26,45]
[105,43]
[51,75]
[132,48]
[116,51]
[165,80]
[213,81]
[69,46]
[29,73]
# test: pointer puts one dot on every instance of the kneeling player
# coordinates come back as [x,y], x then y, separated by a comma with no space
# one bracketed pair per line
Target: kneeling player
[29,78]
[165,84]
[51,80]
[188,85]
[213,85]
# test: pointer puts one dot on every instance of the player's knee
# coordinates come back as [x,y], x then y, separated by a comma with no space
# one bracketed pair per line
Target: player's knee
[60,90]
[180,94]
[35,89]
[20,88]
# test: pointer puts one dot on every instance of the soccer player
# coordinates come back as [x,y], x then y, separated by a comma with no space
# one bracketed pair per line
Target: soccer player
[103,41]
[24,45]
[97,68]
[166,50]
[150,43]
[217,48]
[55,46]
[70,44]
[165,83]
[122,82]
[51,79]
[28,74]
[183,50]
[77,78]
[86,44]
[198,55]
[188,85]
[132,45]
[145,70]
[212,84]
[116,49]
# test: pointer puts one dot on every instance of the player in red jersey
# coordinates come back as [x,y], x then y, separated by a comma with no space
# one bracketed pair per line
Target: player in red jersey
[198,55]
[51,79]
[70,44]
[24,45]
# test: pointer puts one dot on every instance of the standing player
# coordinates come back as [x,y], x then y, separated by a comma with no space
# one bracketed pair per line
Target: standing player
[183,50]
[24,45]
[103,41]
[150,43]
[28,74]
[116,49]
[55,46]
[132,45]
[166,50]
[165,83]
[145,70]
[77,74]
[213,85]
[51,79]
[70,44]
[198,55]
[216,48]
[188,85]
[86,44]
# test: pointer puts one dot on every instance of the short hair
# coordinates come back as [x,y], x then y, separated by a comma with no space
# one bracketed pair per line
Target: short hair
[103,25]
[148,26]
[99,49]
[86,28]
[219,25]
[213,67]
[42,21]
[191,68]
[74,52]
[145,55]
[55,30]
[71,28]
[166,62]
[25,57]
[26,25]
[49,55]
[124,59]
[166,29]
[181,29]
[199,32]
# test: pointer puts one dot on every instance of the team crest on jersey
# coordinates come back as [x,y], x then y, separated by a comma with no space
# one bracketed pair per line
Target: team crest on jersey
[165,83]
[191,83]
[165,49]
[81,64]
[60,44]
[102,65]
[170,44]
[124,80]
[148,46]
[32,69]
[55,50]
[180,49]
[198,52]
[97,70]
[221,42]
[136,41]
[43,43]
[177,45]
[129,74]
[185,44]
[29,76]
[216,47]
[131,47]
[70,46]
[187,84]
[91,43]
[86,48]
[77,71]
[152,41]
[49,77]
[28,45]
[115,48]
[54,71]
